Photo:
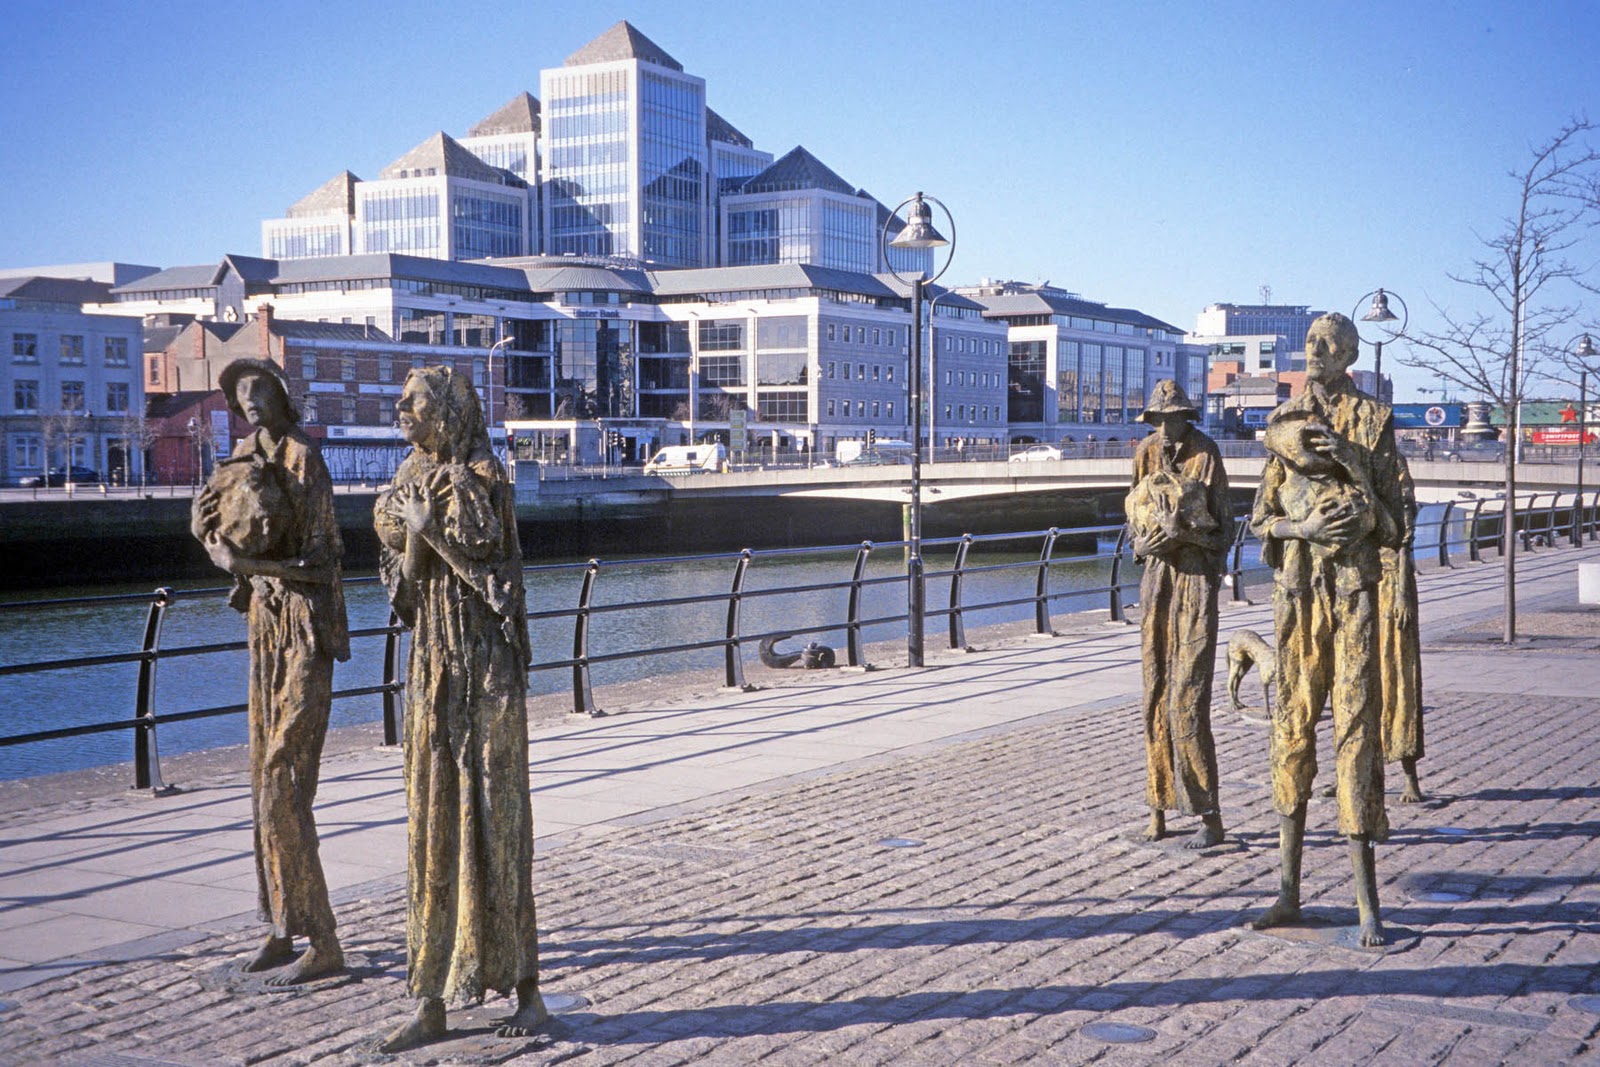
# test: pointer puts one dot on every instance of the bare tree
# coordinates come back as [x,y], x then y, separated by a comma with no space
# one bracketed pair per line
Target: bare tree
[1529,281]
[62,429]
[140,433]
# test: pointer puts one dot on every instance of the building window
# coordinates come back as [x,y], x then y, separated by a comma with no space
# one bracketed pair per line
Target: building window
[876,413]
[116,351]
[877,370]
[480,374]
[155,370]
[889,410]
[26,452]
[891,337]
[308,410]
[117,397]
[347,412]
[71,396]
[386,411]
[830,408]
[861,409]
[830,337]
[861,335]
[24,348]
[385,368]
[347,368]
[947,413]
[947,377]
[72,349]
[25,397]
[888,373]
[861,372]
[308,367]
[877,336]
[830,368]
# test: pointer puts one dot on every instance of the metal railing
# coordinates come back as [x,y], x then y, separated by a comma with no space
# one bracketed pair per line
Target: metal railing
[1460,527]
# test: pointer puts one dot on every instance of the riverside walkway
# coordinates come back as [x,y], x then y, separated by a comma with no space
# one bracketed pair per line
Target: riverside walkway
[908,867]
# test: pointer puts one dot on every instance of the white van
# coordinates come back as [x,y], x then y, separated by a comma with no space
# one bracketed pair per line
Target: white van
[688,459]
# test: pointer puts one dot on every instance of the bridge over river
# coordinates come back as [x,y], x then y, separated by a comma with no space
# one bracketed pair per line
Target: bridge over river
[50,537]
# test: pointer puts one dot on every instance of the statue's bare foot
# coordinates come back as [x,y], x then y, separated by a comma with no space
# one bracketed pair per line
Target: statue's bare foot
[1282,913]
[1412,794]
[1372,934]
[530,1014]
[1210,833]
[1158,826]
[274,952]
[317,961]
[426,1025]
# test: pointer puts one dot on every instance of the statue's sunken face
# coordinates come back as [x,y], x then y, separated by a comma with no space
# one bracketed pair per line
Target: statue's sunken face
[1169,425]
[1331,348]
[260,399]
[418,412]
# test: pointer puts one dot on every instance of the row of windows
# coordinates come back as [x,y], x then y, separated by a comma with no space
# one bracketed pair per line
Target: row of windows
[883,409]
[982,379]
[880,335]
[880,372]
[25,397]
[25,349]
[976,346]
[977,414]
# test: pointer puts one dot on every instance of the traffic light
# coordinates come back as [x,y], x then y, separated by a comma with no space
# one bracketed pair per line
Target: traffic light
[872,438]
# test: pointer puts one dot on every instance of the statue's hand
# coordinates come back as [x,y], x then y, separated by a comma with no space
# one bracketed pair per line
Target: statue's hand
[1330,523]
[221,553]
[1153,543]
[414,506]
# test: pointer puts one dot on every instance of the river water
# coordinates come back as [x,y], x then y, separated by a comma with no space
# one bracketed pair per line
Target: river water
[999,569]
[84,695]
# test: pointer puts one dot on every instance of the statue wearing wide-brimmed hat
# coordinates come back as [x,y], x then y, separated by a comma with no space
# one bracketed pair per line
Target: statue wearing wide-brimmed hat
[266,517]
[1181,523]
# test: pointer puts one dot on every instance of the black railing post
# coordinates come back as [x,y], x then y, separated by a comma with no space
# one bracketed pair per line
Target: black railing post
[1589,516]
[854,653]
[732,661]
[1474,552]
[1115,599]
[146,754]
[1444,535]
[393,680]
[582,689]
[1527,526]
[1550,518]
[1041,586]
[958,626]
[1241,528]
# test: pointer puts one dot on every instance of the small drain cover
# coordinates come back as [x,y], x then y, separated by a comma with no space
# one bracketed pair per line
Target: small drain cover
[1119,1033]
[555,1003]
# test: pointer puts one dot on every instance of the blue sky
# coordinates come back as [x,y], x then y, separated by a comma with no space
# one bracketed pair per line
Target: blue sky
[1162,156]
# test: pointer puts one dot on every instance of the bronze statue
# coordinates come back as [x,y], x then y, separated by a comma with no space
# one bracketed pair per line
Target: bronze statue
[1181,522]
[1400,646]
[266,517]
[1330,498]
[453,567]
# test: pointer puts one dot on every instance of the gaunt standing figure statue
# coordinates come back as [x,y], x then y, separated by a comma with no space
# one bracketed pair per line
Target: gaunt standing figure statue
[1182,523]
[1330,499]
[453,568]
[266,517]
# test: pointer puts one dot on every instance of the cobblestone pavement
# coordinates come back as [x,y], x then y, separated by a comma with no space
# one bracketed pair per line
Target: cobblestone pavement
[981,900]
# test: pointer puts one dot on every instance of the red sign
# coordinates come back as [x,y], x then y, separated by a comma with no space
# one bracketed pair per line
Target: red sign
[1561,437]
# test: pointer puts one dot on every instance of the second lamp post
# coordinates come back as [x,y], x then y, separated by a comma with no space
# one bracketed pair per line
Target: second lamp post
[918,234]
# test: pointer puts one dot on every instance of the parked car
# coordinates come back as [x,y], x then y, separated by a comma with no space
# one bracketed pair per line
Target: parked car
[1471,451]
[56,477]
[1036,454]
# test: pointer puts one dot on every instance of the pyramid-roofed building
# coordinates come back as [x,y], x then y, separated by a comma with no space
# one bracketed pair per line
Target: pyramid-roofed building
[520,114]
[622,41]
[443,155]
[336,196]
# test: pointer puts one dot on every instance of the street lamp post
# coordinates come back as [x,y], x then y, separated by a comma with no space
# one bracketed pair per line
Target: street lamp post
[489,385]
[1379,312]
[918,233]
[1585,352]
